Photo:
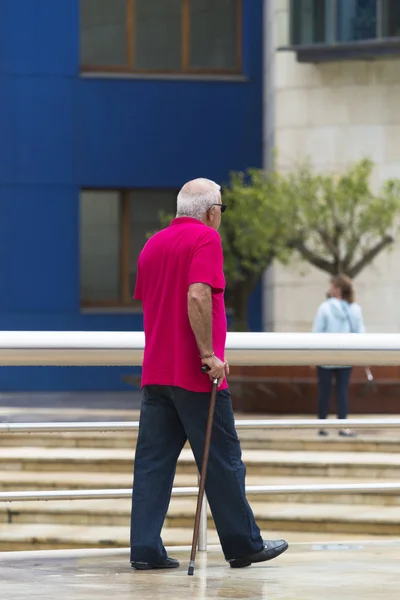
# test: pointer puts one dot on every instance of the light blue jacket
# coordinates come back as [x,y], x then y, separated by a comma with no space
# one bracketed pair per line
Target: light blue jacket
[338,316]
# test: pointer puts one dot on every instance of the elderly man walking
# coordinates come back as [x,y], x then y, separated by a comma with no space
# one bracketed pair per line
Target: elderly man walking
[181,284]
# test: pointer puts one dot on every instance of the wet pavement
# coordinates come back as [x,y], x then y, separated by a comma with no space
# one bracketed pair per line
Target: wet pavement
[353,571]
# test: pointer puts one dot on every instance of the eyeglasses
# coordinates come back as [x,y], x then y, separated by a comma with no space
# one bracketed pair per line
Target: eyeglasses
[223,207]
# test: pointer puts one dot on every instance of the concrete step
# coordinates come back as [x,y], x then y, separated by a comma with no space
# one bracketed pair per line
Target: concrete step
[67,480]
[378,441]
[120,439]
[258,462]
[328,518]
[57,537]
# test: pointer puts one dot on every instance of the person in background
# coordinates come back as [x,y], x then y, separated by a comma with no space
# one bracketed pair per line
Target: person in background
[338,314]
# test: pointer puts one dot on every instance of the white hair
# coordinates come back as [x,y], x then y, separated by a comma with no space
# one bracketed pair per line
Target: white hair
[196,198]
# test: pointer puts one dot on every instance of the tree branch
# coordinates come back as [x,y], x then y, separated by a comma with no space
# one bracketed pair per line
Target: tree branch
[328,243]
[351,249]
[314,259]
[369,256]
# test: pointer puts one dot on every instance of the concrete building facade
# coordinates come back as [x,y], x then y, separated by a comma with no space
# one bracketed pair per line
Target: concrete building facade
[334,103]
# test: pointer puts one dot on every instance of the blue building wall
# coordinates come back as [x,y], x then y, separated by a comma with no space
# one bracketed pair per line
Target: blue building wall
[60,132]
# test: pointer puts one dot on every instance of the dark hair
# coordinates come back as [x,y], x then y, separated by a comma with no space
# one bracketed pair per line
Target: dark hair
[345,285]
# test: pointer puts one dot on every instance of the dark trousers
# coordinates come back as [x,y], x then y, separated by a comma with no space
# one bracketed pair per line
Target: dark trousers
[325,377]
[170,416]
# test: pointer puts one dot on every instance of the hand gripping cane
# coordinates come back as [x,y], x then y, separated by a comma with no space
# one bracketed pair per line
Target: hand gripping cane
[203,473]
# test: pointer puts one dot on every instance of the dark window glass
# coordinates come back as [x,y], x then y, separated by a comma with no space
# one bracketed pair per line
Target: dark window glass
[166,36]
[114,227]
[213,34]
[308,22]
[356,20]
[391,18]
[103,32]
[158,33]
[100,239]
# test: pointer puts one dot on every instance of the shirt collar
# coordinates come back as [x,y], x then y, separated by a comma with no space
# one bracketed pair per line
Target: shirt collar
[182,220]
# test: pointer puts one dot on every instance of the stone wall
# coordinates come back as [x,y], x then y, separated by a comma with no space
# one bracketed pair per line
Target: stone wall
[333,113]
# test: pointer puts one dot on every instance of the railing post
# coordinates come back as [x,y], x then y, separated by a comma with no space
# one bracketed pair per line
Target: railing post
[202,546]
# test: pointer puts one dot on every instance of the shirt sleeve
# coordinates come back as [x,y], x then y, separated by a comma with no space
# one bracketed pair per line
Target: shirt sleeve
[320,321]
[361,325]
[138,287]
[207,263]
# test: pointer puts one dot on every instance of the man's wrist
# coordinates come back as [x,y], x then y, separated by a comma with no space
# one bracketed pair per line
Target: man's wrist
[206,355]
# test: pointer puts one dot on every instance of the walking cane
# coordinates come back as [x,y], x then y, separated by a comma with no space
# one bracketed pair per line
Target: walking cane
[203,473]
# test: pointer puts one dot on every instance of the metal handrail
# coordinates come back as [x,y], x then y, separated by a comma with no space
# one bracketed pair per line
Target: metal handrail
[361,488]
[32,428]
[26,496]
[102,348]
[114,426]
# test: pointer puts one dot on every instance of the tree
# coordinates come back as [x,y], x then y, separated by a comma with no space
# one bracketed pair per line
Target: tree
[341,225]
[333,221]
[255,231]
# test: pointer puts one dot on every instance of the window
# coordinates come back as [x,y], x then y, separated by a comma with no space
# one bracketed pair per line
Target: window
[329,21]
[356,20]
[308,21]
[113,229]
[391,18]
[164,36]
[103,32]
[344,29]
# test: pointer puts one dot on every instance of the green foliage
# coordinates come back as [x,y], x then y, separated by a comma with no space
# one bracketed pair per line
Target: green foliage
[334,221]
[341,225]
[254,229]
[254,232]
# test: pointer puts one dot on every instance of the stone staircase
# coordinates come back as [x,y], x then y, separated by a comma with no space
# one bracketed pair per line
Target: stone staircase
[104,461]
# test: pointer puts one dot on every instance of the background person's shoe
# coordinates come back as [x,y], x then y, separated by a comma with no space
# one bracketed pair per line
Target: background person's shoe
[165,563]
[347,433]
[323,432]
[272,549]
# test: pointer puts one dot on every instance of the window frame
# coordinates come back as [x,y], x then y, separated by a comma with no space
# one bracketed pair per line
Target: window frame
[185,69]
[333,49]
[125,299]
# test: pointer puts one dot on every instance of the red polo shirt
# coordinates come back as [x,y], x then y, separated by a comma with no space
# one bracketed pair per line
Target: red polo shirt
[186,252]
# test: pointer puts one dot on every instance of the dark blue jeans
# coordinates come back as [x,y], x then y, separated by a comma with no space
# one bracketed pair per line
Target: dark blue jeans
[170,416]
[325,377]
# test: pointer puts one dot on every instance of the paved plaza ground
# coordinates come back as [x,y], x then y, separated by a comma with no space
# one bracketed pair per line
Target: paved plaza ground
[354,571]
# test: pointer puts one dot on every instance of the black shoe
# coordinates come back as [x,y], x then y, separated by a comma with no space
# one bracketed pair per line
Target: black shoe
[272,549]
[323,432]
[165,563]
